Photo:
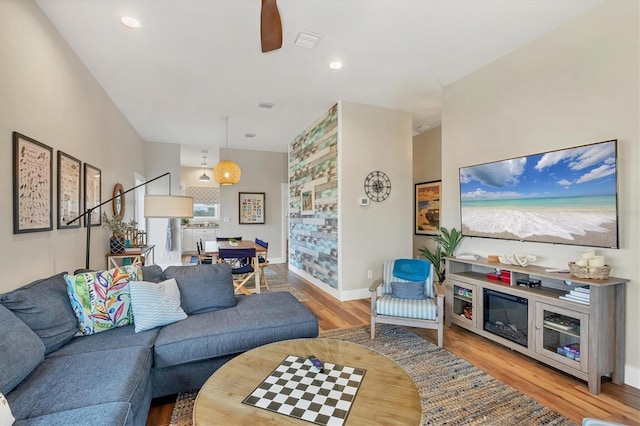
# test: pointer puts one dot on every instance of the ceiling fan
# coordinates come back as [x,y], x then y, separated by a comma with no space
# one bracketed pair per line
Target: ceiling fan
[270,26]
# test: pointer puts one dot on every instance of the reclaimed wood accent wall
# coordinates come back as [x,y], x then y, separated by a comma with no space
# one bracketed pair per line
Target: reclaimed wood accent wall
[313,191]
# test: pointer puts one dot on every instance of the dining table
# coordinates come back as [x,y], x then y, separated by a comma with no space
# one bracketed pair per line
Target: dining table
[211,248]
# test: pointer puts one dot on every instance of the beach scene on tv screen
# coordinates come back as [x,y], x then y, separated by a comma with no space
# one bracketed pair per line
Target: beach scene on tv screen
[566,197]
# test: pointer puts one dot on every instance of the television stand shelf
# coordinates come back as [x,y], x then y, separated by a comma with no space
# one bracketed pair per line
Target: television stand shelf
[583,337]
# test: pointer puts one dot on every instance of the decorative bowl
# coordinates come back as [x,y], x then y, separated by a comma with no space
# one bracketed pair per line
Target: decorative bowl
[517,259]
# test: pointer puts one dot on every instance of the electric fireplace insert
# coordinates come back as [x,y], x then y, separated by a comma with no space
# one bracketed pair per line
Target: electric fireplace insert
[506,316]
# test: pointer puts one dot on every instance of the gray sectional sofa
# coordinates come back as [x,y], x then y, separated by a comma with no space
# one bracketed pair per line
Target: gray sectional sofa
[48,376]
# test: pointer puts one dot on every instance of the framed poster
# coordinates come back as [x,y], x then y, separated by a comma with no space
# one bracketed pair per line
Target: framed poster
[32,185]
[308,200]
[69,194]
[92,194]
[251,207]
[427,208]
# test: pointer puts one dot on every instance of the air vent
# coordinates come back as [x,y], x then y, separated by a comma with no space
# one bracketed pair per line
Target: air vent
[249,135]
[267,105]
[307,40]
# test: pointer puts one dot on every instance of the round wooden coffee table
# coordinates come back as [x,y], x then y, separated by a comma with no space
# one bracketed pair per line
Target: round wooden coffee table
[387,395]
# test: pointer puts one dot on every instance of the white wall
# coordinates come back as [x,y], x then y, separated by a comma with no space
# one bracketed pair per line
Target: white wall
[576,85]
[372,138]
[47,94]
[427,167]
[159,159]
[261,172]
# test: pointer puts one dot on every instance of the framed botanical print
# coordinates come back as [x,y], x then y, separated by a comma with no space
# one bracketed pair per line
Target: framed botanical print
[69,192]
[427,208]
[32,185]
[92,194]
[251,207]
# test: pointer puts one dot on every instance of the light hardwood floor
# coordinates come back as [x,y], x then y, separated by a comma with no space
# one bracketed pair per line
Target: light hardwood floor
[556,390]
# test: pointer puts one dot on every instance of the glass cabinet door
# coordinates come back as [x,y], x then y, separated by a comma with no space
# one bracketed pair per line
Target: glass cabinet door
[463,302]
[561,335]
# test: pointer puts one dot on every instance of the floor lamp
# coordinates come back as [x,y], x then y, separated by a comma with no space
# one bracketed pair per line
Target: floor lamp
[169,206]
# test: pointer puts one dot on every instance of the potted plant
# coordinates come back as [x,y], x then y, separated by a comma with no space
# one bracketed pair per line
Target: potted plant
[447,242]
[119,229]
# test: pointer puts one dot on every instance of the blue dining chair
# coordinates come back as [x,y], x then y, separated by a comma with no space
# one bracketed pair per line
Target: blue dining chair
[243,271]
[263,260]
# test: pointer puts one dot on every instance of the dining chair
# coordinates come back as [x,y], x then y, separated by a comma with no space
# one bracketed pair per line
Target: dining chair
[203,259]
[243,271]
[263,260]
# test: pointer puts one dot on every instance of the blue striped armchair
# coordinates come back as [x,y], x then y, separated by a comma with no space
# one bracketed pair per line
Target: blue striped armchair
[404,300]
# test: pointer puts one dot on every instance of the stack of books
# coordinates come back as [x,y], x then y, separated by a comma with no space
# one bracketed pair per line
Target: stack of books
[579,295]
[571,351]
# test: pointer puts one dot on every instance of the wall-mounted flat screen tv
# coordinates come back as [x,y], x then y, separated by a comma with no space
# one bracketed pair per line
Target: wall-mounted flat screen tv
[567,196]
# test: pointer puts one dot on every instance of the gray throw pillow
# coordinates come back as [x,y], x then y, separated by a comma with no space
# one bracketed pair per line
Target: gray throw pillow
[203,288]
[21,349]
[408,290]
[44,306]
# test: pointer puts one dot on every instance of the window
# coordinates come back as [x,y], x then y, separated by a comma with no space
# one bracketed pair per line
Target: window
[205,210]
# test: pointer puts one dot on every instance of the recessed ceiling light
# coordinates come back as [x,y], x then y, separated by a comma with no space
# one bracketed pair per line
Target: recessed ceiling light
[335,65]
[130,21]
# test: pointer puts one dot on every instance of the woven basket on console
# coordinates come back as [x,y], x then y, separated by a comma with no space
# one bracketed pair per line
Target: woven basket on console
[592,272]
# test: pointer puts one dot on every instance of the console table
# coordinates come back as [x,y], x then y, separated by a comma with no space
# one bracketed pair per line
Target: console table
[136,254]
[585,340]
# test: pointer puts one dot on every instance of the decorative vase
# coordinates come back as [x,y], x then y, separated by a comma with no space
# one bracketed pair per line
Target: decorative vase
[117,244]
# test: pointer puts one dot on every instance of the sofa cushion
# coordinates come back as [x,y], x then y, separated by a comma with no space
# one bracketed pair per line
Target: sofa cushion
[44,306]
[203,288]
[22,350]
[153,273]
[101,299]
[155,304]
[118,413]
[256,320]
[69,382]
[121,337]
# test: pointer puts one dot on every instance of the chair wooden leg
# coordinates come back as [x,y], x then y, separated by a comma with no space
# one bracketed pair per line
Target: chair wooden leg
[373,329]
[239,286]
[263,276]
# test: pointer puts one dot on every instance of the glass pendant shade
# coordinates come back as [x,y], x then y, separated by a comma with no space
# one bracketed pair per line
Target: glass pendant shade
[227,173]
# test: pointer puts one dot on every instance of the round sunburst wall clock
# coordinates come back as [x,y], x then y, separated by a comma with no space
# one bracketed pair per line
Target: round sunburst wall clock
[377,186]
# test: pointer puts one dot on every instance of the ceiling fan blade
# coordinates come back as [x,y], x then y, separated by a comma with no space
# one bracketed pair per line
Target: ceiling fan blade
[270,26]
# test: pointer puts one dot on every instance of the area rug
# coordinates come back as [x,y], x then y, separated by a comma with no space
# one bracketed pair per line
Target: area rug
[276,283]
[453,392]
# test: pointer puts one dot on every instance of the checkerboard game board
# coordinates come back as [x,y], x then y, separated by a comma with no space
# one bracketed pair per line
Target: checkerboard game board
[296,389]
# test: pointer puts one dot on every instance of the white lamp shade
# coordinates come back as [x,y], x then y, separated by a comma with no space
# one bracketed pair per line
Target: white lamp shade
[175,206]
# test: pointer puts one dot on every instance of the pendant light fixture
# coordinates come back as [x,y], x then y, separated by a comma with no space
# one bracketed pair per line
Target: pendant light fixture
[227,172]
[204,177]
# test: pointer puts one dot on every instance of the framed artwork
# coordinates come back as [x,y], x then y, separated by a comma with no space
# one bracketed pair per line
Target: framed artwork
[69,194]
[32,185]
[308,201]
[427,208]
[92,194]
[251,207]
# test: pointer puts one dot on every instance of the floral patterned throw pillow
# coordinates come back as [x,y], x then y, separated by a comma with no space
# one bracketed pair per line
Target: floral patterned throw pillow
[101,299]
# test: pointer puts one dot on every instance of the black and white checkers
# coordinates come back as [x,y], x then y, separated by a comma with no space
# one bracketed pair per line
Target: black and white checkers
[295,389]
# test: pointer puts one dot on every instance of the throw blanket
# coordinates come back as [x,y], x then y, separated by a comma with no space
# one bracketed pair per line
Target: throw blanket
[411,269]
